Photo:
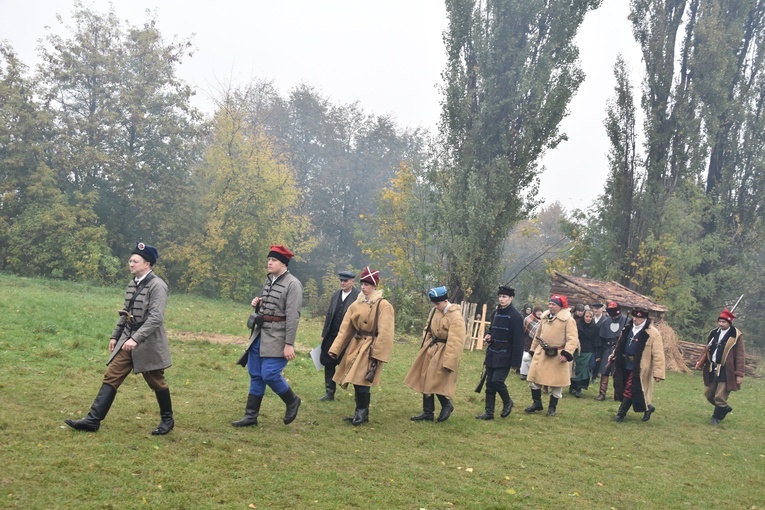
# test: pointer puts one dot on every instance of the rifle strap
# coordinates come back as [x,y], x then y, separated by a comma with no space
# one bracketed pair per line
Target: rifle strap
[138,289]
[427,328]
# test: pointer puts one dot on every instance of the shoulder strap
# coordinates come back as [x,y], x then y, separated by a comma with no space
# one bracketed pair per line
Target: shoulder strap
[430,321]
[138,289]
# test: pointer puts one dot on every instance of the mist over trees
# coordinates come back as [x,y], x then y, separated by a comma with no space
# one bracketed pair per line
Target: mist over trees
[100,147]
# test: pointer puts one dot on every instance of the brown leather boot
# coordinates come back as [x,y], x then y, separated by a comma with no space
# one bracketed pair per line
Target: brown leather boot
[603,388]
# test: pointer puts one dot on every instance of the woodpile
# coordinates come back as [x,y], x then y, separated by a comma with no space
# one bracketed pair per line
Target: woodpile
[691,353]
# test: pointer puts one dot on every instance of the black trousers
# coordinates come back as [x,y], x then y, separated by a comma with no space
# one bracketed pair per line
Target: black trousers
[495,379]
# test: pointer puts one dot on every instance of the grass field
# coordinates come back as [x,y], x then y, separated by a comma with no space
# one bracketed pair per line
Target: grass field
[53,338]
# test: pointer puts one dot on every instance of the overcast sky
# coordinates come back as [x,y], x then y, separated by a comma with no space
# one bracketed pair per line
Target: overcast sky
[387,55]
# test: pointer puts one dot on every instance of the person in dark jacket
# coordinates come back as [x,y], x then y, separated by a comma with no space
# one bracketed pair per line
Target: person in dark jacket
[272,341]
[638,361]
[610,330]
[505,349]
[588,334]
[338,304]
[138,343]
[722,361]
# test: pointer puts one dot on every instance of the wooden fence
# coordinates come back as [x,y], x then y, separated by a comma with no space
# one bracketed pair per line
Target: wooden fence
[476,325]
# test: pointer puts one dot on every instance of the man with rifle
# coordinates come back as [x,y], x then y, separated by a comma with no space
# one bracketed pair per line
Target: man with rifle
[505,348]
[138,343]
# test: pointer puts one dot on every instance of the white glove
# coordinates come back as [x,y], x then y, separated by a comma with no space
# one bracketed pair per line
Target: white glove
[526,357]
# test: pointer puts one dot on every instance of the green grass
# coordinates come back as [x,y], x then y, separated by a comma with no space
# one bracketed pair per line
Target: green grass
[53,339]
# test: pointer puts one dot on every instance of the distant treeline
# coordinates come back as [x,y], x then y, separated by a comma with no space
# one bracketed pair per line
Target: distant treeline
[100,147]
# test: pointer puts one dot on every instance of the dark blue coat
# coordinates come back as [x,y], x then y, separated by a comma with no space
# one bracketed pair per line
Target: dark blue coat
[506,346]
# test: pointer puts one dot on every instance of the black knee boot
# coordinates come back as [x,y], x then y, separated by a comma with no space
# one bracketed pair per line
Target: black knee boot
[488,413]
[165,413]
[293,403]
[329,385]
[536,405]
[98,410]
[623,408]
[251,412]
[362,408]
[428,408]
[507,403]
[446,408]
[553,406]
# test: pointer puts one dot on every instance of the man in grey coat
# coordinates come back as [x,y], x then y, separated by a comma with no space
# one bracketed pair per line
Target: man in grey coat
[138,343]
[273,338]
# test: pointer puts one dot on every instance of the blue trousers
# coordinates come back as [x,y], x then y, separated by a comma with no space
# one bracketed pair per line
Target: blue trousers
[265,372]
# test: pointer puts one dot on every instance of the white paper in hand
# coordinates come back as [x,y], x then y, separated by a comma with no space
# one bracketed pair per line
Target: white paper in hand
[315,356]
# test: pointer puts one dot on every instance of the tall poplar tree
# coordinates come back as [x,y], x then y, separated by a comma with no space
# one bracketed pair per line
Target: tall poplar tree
[512,70]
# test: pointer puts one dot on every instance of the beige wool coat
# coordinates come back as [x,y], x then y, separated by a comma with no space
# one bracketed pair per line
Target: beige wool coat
[651,365]
[355,338]
[557,331]
[436,367]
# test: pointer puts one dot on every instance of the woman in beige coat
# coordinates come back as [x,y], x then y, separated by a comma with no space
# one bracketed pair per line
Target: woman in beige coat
[366,338]
[435,369]
[552,350]
[639,360]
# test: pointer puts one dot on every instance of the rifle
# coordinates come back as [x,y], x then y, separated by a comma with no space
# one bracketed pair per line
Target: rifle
[479,387]
[737,302]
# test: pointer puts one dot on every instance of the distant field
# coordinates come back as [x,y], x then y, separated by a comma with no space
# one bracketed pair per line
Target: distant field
[53,338]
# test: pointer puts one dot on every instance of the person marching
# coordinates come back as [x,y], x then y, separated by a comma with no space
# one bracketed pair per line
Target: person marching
[435,369]
[722,361]
[610,330]
[551,351]
[587,332]
[530,325]
[339,303]
[272,340]
[638,359]
[138,343]
[505,339]
[366,338]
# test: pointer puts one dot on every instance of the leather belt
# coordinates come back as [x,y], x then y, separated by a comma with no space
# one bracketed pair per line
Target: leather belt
[273,318]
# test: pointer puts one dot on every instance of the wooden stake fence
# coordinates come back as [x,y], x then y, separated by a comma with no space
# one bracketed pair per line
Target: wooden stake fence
[476,325]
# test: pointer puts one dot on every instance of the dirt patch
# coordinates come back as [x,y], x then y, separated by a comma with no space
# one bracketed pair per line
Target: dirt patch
[213,338]
[216,338]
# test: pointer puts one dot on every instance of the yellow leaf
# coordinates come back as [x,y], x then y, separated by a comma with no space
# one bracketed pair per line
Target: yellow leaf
[251,506]
[510,491]
[469,470]
[599,484]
